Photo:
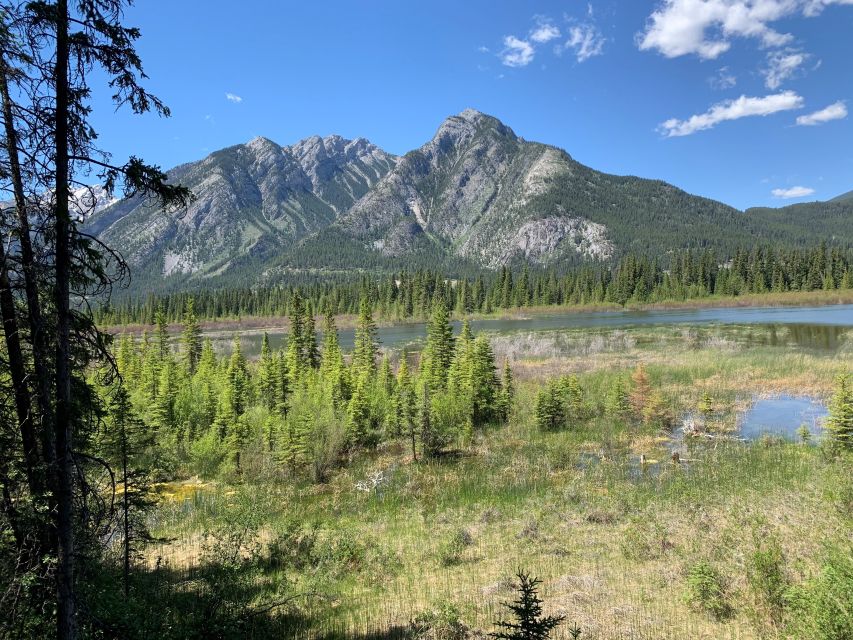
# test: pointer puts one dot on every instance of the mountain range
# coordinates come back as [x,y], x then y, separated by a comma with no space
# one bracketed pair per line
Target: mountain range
[474,196]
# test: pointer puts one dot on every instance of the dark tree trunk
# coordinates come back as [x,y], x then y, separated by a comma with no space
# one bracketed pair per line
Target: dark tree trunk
[66,629]
[28,266]
[18,375]
[126,509]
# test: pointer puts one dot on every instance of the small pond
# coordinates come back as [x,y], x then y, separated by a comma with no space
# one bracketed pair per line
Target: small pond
[782,416]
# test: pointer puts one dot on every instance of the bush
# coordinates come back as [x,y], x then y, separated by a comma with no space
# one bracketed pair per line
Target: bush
[550,412]
[822,608]
[206,455]
[440,623]
[450,553]
[707,591]
[765,573]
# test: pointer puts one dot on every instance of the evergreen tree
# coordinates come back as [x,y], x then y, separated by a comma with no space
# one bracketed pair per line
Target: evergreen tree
[386,378]
[309,349]
[549,409]
[618,402]
[238,380]
[484,383]
[365,347]
[126,443]
[572,397]
[191,337]
[358,412]
[267,374]
[439,348]
[163,409]
[528,623]
[282,384]
[297,358]
[839,424]
[405,405]
[507,392]
[162,334]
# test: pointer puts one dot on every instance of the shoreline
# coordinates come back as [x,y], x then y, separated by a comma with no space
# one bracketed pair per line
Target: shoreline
[252,324]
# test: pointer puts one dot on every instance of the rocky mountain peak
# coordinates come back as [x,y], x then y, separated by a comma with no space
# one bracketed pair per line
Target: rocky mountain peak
[260,143]
[461,130]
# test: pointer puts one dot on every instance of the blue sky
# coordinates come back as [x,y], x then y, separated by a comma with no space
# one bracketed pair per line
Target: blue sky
[744,101]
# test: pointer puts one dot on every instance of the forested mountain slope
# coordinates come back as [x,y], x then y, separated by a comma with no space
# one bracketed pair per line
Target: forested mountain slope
[475,195]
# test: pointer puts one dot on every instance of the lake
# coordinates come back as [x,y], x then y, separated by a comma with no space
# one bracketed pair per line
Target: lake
[822,327]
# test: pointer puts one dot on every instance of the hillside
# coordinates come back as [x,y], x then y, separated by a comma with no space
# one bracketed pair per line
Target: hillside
[476,196]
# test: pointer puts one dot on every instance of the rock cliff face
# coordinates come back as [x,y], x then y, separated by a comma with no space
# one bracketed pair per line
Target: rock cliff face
[253,202]
[474,194]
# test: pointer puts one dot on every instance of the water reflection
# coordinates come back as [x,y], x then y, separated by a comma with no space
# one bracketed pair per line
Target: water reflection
[782,416]
[823,328]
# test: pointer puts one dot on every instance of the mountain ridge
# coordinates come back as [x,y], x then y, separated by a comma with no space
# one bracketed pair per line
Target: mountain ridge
[475,194]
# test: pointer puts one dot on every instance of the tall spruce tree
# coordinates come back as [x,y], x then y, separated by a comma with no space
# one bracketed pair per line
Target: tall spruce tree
[439,348]
[365,348]
[839,424]
[191,337]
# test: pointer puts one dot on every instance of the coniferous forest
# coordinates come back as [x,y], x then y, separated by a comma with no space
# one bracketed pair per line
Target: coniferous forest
[653,480]
[688,275]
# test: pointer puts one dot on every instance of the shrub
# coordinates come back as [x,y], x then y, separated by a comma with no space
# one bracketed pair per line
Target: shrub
[707,591]
[550,412]
[206,455]
[765,573]
[821,609]
[439,623]
[450,553]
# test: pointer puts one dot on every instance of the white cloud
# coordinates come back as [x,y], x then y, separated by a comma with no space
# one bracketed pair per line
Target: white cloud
[781,65]
[231,97]
[585,40]
[724,79]
[835,111]
[742,107]
[792,192]
[545,32]
[517,52]
[814,7]
[705,27]
[483,49]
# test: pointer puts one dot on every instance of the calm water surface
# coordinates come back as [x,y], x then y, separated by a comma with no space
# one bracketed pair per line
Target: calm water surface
[782,416]
[813,327]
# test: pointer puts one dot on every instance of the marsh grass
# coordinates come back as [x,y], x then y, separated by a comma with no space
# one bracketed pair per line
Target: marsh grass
[617,543]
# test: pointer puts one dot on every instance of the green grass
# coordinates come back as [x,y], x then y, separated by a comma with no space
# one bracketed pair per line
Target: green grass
[614,542]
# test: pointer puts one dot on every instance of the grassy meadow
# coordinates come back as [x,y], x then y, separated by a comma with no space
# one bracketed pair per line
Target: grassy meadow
[391,547]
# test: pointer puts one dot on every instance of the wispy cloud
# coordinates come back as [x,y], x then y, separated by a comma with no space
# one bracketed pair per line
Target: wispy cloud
[232,97]
[781,65]
[545,32]
[724,79]
[792,192]
[516,52]
[585,40]
[742,107]
[835,111]
[814,7]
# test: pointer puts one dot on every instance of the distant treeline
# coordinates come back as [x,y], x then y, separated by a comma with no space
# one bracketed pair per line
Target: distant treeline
[409,294]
